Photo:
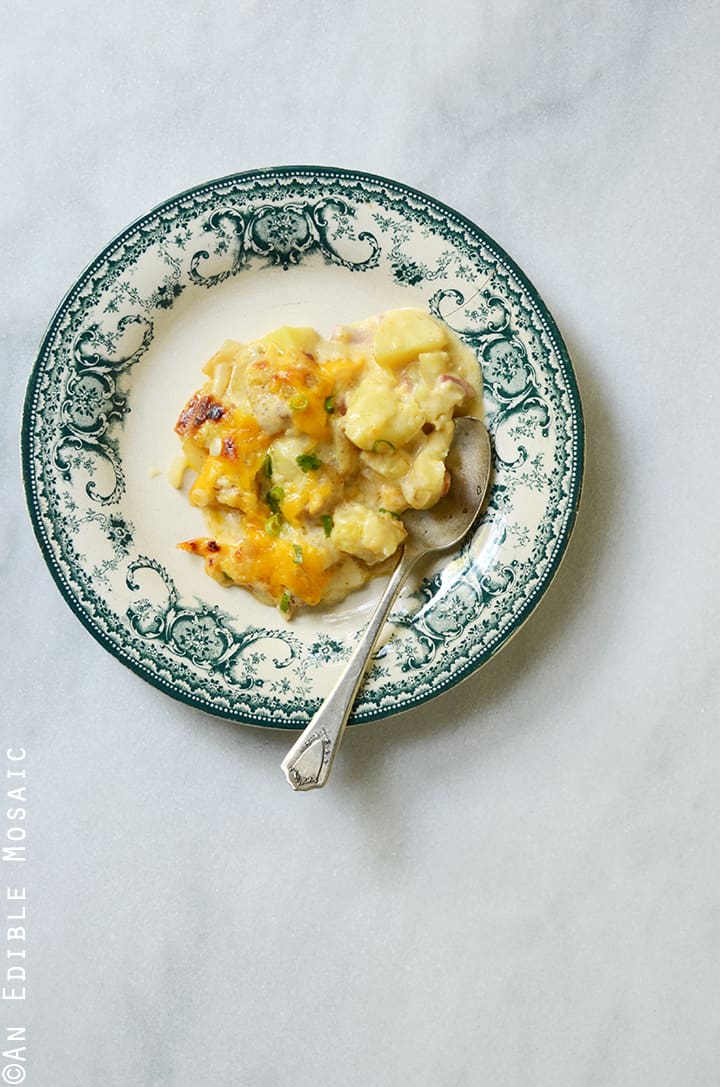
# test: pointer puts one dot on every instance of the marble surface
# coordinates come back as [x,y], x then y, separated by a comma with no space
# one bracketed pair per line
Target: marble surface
[518,883]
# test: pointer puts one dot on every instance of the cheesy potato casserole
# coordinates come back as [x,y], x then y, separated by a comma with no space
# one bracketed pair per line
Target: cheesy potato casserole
[308,450]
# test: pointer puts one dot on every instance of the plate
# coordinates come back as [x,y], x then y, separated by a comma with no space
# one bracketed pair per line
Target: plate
[233,259]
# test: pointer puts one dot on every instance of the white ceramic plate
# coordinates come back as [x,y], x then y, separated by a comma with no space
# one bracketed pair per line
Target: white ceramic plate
[233,259]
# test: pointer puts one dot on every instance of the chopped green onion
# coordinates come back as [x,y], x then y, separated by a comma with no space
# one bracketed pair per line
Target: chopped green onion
[298,402]
[381,446]
[273,525]
[274,497]
[391,512]
[327,523]
[297,554]
[267,466]
[329,404]
[308,462]
[284,604]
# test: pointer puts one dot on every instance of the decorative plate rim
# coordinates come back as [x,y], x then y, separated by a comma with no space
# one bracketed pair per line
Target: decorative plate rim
[575,483]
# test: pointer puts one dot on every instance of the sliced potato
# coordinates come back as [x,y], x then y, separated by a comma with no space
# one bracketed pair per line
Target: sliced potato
[403,334]
[288,339]
[369,535]
[376,414]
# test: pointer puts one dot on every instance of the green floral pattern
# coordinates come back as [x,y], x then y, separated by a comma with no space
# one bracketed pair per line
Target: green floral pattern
[92,400]
[83,387]
[282,234]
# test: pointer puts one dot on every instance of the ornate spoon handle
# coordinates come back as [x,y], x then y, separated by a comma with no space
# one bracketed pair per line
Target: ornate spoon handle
[308,763]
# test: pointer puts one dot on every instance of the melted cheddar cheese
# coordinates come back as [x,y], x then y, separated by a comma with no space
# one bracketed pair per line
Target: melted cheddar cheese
[308,450]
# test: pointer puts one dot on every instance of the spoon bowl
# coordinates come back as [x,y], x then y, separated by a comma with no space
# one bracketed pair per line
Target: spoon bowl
[448,522]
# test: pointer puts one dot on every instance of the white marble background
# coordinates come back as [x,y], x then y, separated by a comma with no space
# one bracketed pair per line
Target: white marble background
[517,884]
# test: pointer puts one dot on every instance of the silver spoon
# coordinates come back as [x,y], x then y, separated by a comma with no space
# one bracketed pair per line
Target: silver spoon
[308,763]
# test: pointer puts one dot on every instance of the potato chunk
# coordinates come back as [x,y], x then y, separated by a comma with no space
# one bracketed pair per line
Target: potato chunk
[376,413]
[289,340]
[403,334]
[367,534]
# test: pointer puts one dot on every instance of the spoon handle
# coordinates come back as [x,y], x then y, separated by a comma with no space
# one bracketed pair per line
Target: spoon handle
[308,763]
